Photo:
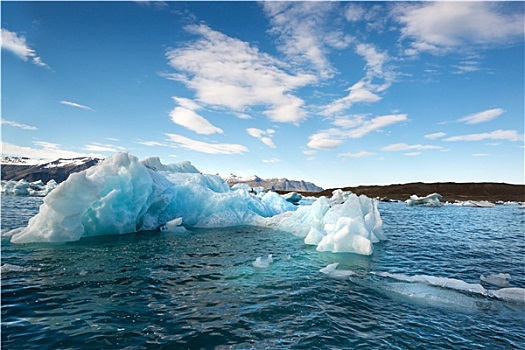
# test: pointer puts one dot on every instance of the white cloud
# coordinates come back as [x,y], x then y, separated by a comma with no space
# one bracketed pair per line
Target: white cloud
[192,121]
[480,154]
[44,150]
[99,147]
[271,160]
[361,154]
[365,90]
[467,66]
[17,125]
[325,140]
[510,135]
[264,135]
[332,138]
[303,32]
[204,147]
[187,103]
[359,93]
[227,72]
[405,147]
[482,117]
[76,105]
[15,43]
[438,27]
[436,135]
[376,123]
[151,143]
[412,154]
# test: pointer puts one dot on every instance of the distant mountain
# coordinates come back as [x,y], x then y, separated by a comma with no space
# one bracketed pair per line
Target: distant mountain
[17,168]
[273,184]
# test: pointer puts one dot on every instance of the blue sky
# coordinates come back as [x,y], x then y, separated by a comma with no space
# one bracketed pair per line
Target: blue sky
[337,93]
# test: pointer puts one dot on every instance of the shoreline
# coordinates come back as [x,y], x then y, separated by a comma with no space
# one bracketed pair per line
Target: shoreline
[450,191]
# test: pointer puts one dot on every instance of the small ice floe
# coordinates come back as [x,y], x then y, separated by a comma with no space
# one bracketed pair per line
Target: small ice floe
[432,200]
[516,295]
[262,263]
[331,271]
[173,226]
[498,280]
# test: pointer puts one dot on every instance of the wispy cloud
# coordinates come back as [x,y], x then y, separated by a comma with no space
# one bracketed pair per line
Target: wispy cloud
[480,154]
[361,154]
[510,135]
[412,154]
[99,147]
[17,44]
[436,135]
[264,135]
[304,34]
[377,79]
[76,105]
[439,27]
[482,117]
[359,93]
[194,122]
[151,143]
[271,160]
[227,72]
[406,147]
[17,125]
[205,147]
[332,138]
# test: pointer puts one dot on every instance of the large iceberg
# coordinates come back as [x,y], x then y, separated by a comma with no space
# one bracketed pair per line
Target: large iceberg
[123,195]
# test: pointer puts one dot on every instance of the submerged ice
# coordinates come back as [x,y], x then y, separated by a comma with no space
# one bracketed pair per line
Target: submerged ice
[123,195]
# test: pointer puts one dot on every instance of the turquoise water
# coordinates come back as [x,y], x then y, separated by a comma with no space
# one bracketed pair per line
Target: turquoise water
[152,290]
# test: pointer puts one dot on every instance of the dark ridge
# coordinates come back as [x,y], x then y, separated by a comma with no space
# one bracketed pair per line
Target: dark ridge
[47,171]
[451,191]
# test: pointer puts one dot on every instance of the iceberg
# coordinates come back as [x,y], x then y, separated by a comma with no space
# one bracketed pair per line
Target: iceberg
[25,188]
[432,200]
[346,223]
[123,195]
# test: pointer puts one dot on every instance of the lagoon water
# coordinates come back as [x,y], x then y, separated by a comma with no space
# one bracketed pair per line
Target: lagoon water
[200,289]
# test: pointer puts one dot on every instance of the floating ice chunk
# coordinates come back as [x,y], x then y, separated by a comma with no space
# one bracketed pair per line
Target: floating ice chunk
[172,226]
[498,280]
[331,271]
[443,282]
[471,203]
[430,296]
[432,200]
[351,226]
[509,294]
[24,188]
[262,263]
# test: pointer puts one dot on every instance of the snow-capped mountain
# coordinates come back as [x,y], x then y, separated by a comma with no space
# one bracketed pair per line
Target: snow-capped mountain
[17,168]
[274,184]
